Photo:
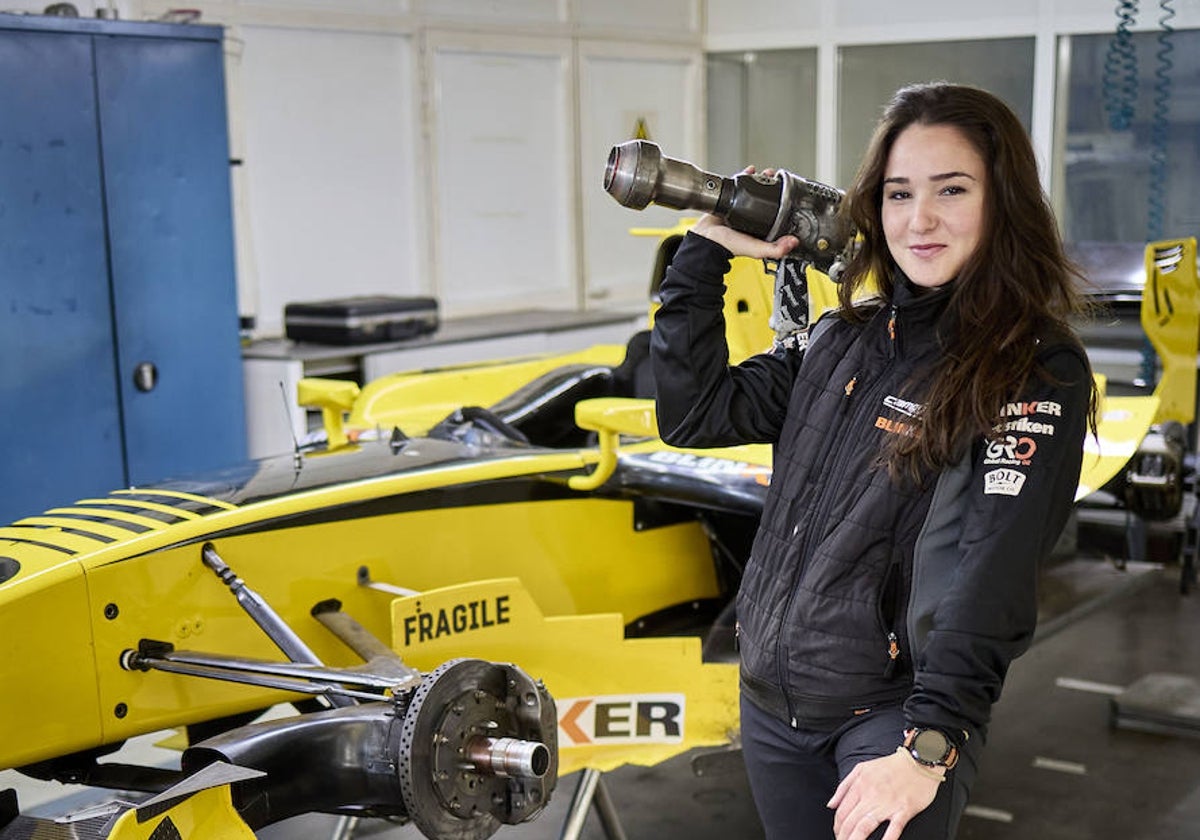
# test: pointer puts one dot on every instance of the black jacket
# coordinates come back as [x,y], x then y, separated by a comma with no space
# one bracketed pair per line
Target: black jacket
[860,591]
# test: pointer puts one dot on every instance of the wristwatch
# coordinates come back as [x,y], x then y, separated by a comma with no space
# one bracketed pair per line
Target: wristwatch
[930,747]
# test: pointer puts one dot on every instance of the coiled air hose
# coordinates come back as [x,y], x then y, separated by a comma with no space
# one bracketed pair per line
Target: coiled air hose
[1119,84]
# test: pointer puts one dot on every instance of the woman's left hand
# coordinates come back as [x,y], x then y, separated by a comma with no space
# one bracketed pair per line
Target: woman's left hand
[890,789]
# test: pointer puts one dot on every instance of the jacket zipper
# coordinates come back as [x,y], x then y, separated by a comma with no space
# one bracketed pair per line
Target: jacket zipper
[890,595]
[892,333]
[832,456]
[893,647]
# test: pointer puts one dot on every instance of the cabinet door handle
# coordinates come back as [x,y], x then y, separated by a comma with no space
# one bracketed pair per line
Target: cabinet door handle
[145,376]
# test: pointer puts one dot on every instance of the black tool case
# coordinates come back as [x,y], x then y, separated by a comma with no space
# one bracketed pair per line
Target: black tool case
[360,320]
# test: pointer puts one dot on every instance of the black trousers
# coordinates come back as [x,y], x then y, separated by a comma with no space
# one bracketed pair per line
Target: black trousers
[794,772]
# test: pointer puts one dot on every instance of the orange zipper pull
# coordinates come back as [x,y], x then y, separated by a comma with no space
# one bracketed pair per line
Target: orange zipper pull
[850,385]
[893,654]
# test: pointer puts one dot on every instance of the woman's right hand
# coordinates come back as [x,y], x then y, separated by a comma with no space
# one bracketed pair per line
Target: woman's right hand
[743,244]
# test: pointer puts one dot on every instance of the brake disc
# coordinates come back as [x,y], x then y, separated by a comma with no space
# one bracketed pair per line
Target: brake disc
[448,792]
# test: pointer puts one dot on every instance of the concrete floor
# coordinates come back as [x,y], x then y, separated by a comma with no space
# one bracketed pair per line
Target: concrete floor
[1055,769]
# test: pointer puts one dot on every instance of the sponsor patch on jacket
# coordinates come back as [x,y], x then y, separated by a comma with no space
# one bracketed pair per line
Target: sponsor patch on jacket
[1024,424]
[905,408]
[894,427]
[1024,409]
[1010,451]
[1003,482]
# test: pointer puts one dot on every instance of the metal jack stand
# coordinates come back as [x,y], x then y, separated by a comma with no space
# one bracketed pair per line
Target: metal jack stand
[1191,542]
[1135,541]
[1167,704]
[592,791]
[344,828]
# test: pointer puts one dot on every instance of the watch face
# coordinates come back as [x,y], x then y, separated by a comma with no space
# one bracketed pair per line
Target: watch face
[931,745]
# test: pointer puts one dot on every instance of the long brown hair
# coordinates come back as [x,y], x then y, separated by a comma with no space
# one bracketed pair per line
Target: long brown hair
[1018,285]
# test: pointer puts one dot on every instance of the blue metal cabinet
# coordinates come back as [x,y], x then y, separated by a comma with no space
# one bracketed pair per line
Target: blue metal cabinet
[119,353]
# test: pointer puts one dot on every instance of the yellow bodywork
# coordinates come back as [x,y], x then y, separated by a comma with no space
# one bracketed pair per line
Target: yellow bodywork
[634,700]
[610,418]
[334,397]
[1170,316]
[206,814]
[1123,422]
[67,619]
[416,400]
[749,294]
[1170,312]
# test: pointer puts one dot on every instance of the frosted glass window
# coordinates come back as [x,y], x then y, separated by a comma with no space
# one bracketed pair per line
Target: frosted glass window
[762,109]
[871,74]
[1110,189]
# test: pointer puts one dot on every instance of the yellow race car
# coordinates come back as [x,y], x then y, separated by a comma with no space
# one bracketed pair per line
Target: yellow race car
[479,579]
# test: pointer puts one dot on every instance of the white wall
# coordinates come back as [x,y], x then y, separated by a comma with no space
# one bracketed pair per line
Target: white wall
[662,91]
[447,147]
[503,171]
[331,165]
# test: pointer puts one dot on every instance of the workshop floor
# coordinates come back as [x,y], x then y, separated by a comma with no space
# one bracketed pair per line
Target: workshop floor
[1055,769]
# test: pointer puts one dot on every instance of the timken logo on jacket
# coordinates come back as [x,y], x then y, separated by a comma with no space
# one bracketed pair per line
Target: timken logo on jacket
[1026,425]
[905,408]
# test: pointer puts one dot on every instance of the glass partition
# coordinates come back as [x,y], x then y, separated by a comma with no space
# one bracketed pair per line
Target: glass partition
[1110,189]
[871,74]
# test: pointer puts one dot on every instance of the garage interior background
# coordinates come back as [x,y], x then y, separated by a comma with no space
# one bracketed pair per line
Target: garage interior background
[455,148]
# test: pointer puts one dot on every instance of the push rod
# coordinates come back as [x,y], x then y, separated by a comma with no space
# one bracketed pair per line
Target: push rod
[257,608]
[132,660]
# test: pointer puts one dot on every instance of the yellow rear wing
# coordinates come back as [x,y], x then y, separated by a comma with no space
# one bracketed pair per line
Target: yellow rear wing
[1171,320]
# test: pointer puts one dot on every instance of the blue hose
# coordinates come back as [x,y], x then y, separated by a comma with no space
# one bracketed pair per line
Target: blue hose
[1160,125]
[1119,82]
[1156,196]
[1119,85]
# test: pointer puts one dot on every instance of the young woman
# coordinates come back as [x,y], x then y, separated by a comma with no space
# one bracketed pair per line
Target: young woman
[927,449]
